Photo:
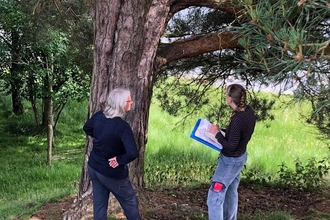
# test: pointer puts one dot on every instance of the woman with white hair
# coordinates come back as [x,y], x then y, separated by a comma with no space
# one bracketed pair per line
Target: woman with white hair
[114,147]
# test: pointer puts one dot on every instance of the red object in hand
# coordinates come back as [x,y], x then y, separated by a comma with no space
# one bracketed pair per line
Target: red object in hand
[217,186]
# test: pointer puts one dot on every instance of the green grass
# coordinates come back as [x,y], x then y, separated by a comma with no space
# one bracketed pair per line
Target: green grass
[282,140]
[25,181]
[171,156]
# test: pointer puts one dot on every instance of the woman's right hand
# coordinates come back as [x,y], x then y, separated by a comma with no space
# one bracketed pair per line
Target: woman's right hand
[113,162]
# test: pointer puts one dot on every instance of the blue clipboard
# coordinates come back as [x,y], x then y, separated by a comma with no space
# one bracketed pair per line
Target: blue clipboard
[198,135]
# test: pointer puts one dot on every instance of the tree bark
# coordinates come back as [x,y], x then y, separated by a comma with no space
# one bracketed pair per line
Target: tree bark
[50,132]
[16,94]
[33,100]
[15,73]
[50,108]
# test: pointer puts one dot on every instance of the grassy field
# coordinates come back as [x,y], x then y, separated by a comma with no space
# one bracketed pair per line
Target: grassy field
[171,156]
[282,140]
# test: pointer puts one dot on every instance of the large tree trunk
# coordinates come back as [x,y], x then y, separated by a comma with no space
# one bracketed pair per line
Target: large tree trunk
[126,38]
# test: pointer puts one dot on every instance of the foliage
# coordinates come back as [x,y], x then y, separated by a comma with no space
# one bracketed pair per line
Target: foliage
[287,42]
[308,177]
[207,70]
[283,37]
[196,20]
[321,110]
[254,175]
[182,96]
[51,47]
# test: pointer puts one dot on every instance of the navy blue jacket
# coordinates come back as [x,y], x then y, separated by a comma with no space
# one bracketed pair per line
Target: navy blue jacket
[111,137]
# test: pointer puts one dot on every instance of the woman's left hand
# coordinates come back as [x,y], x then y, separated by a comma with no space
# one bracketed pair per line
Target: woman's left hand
[214,129]
[113,162]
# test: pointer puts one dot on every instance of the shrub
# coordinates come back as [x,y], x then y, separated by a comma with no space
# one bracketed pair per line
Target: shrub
[308,177]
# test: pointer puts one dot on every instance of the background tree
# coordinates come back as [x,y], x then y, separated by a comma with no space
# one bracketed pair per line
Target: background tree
[13,44]
[46,54]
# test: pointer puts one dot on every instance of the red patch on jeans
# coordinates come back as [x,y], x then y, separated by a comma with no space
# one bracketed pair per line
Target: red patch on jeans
[217,186]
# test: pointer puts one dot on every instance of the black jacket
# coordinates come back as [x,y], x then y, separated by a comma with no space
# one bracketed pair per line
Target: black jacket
[111,137]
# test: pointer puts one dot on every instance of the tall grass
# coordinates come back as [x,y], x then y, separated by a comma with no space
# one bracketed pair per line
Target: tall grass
[286,138]
[171,156]
[282,140]
[25,181]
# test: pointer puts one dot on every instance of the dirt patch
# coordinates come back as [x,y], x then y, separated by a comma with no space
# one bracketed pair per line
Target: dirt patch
[184,204]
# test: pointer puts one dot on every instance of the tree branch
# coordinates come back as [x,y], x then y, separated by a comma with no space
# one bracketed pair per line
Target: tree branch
[187,48]
[225,5]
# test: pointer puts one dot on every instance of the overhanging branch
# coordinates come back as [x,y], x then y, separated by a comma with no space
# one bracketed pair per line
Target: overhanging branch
[191,47]
[225,5]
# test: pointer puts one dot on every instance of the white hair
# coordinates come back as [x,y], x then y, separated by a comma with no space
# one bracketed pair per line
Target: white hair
[116,102]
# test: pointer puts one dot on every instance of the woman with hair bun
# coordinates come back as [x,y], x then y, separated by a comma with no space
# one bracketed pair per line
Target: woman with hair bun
[222,199]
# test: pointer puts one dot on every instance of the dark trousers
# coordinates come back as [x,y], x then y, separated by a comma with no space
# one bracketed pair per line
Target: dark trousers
[121,189]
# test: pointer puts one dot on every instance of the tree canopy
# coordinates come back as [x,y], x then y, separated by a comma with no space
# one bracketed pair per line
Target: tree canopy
[36,35]
[284,44]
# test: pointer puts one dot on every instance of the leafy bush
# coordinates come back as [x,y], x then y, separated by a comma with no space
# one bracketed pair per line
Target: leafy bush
[308,177]
[255,175]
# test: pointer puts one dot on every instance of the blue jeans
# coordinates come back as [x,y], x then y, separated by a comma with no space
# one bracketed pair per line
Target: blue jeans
[121,189]
[222,198]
